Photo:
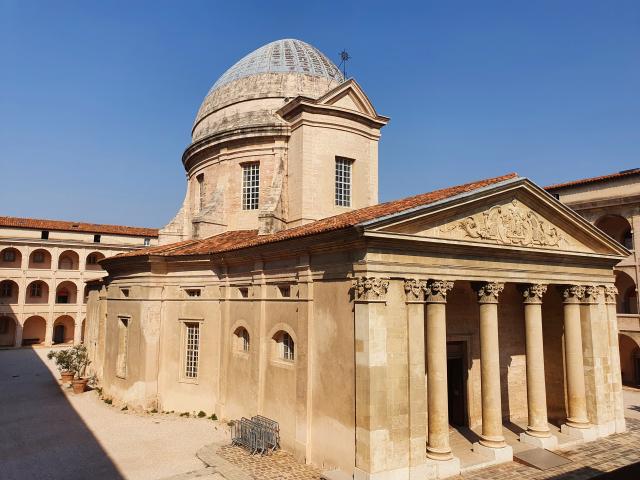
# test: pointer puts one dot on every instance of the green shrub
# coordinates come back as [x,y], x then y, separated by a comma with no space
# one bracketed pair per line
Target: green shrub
[201,414]
[184,414]
[124,408]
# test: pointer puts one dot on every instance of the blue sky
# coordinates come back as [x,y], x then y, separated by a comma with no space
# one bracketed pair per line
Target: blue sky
[97,99]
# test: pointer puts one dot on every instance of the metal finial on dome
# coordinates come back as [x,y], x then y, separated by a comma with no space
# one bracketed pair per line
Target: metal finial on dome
[282,56]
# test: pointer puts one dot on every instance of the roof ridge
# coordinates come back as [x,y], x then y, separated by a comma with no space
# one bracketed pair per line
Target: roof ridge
[583,181]
[74,226]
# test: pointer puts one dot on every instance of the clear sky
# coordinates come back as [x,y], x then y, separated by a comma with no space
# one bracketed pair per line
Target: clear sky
[97,99]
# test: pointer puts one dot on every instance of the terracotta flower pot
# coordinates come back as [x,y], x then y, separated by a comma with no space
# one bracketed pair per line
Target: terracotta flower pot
[67,377]
[79,385]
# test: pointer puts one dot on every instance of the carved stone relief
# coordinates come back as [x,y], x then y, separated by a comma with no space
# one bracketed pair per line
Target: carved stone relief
[510,224]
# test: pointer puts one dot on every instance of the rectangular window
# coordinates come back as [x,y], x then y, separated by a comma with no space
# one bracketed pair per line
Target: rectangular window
[250,186]
[44,235]
[343,181]
[192,349]
[38,257]
[6,289]
[193,292]
[243,292]
[125,292]
[9,256]
[285,291]
[96,239]
[123,338]
[36,290]
[147,242]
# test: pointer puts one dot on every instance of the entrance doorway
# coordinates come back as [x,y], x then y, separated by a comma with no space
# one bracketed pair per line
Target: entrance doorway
[58,334]
[457,383]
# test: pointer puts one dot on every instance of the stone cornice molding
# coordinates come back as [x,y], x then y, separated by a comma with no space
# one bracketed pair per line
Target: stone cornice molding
[533,293]
[574,293]
[488,292]
[610,294]
[592,293]
[370,288]
[436,291]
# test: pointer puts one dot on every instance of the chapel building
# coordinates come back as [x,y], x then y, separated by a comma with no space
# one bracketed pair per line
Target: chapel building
[283,288]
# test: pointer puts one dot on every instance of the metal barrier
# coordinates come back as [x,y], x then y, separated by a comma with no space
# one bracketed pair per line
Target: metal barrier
[258,435]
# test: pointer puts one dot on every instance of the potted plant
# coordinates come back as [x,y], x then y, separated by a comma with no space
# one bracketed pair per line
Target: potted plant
[63,361]
[80,362]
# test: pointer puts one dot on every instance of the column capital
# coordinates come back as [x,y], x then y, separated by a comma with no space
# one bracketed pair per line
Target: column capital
[370,288]
[610,293]
[573,293]
[414,289]
[488,292]
[533,293]
[592,293]
[436,290]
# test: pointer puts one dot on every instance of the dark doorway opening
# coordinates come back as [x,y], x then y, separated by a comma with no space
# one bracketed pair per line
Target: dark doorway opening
[637,369]
[58,334]
[457,383]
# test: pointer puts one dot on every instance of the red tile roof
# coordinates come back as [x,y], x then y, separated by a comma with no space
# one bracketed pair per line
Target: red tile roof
[238,239]
[38,224]
[585,181]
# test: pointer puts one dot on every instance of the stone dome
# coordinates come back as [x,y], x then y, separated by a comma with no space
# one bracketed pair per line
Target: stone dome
[249,93]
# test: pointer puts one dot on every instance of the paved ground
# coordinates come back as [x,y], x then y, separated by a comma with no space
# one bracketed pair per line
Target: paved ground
[49,433]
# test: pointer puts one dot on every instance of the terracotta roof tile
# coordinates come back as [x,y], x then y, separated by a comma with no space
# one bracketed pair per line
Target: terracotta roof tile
[238,239]
[59,225]
[584,181]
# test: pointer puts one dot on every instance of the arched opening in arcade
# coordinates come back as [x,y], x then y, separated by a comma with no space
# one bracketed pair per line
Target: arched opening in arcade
[10,258]
[9,292]
[92,261]
[618,228]
[37,292]
[34,331]
[630,360]
[8,329]
[67,292]
[627,300]
[63,330]
[68,260]
[40,259]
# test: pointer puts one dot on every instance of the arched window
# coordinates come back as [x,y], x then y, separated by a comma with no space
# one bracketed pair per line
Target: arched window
[6,289]
[62,295]
[242,340]
[285,346]
[36,289]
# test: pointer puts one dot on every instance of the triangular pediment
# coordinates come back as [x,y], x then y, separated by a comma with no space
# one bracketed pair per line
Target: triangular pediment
[516,215]
[349,96]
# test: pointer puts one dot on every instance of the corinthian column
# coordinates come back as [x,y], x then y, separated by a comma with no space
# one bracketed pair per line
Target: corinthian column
[537,426]
[577,419]
[491,440]
[437,398]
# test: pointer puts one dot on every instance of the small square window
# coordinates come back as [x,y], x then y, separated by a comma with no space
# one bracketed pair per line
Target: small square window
[285,291]
[96,238]
[244,292]
[44,235]
[147,242]
[193,292]
[125,292]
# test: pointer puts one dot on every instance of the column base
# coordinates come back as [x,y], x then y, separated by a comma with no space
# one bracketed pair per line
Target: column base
[444,468]
[499,455]
[586,434]
[548,443]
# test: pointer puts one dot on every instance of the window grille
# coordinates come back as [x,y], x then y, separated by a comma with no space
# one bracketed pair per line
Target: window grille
[192,347]
[343,182]
[288,347]
[6,289]
[36,290]
[92,260]
[9,256]
[38,257]
[250,186]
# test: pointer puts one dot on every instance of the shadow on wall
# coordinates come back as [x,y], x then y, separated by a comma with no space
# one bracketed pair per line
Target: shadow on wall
[42,436]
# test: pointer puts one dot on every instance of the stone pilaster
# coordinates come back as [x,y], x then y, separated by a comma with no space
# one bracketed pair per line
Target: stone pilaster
[537,426]
[373,429]
[492,442]
[616,399]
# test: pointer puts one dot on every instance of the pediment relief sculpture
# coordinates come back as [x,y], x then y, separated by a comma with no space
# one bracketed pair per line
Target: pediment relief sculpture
[509,224]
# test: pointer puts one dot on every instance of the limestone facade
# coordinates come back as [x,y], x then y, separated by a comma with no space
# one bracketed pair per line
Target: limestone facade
[42,280]
[612,203]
